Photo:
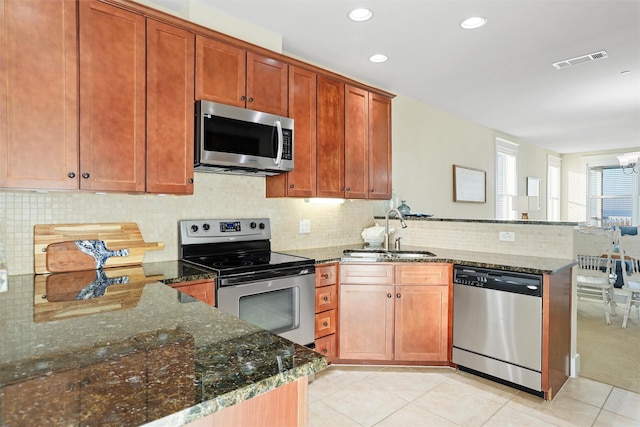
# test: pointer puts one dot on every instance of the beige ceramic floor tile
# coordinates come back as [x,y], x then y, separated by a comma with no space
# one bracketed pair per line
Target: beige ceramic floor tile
[586,390]
[414,416]
[409,383]
[609,419]
[624,403]
[561,411]
[509,417]
[323,415]
[333,379]
[482,386]
[460,403]
[365,403]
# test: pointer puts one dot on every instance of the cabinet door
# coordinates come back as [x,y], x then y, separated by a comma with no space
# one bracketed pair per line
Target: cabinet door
[330,157]
[203,290]
[326,298]
[170,109]
[45,401]
[267,84]
[356,143]
[301,182]
[112,98]
[221,72]
[327,346]
[366,322]
[421,326]
[38,94]
[124,381]
[379,147]
[326,274]
[325,323]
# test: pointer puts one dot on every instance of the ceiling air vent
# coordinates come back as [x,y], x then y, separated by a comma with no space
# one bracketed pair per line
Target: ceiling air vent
[580,60]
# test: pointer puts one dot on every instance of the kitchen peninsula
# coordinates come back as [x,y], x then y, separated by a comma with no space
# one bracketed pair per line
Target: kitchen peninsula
[155,357]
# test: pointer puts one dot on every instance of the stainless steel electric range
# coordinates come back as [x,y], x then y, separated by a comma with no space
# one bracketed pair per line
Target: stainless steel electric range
[273,290]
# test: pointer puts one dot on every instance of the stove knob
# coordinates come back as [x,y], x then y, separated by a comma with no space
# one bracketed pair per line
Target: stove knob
[194,228]
[205,227]
[252,225]
[262,226]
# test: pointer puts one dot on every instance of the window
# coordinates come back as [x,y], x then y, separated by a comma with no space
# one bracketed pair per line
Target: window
[610,196]
[506,178]
[553,188]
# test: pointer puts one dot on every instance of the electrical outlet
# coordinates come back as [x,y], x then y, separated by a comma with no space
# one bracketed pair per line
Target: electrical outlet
[305,226]
[507,236]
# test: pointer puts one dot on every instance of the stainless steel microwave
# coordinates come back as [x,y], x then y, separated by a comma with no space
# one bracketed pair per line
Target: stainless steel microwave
[240,141]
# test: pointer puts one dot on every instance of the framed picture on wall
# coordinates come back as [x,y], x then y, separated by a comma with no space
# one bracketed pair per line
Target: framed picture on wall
[469,185]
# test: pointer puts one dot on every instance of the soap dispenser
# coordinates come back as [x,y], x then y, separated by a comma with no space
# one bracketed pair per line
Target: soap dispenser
[404,208]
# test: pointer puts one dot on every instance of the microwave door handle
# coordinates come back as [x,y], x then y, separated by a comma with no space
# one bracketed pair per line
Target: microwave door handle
[278,159]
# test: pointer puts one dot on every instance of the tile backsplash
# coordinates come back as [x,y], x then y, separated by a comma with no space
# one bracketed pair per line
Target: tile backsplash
[215,196]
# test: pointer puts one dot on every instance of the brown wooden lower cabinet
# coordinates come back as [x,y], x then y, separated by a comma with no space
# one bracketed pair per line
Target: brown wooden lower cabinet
[326,320]
[285,406]
[203,290]
[400,312]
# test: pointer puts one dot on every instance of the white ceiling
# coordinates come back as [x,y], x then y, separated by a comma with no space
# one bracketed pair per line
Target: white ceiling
[499,76]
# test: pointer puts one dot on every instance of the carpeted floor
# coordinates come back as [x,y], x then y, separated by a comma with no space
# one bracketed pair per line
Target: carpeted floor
[609,353]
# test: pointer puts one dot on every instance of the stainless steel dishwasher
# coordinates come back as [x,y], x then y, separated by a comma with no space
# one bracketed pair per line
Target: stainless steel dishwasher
[497,325]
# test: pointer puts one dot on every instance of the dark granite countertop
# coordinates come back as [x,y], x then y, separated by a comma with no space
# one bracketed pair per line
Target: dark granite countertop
[136,354]
[509,262]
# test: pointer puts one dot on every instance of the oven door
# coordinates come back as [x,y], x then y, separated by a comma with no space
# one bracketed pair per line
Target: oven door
[282,305]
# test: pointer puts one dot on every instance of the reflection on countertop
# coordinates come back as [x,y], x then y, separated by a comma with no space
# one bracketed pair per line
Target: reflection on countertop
[155,357]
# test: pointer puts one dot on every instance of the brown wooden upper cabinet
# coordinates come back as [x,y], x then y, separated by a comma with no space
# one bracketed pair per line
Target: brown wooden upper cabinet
[379,147]
[235,76]
[330,155]
[135,98]
[39,100]
[112,98]
[301,182]
[170,109]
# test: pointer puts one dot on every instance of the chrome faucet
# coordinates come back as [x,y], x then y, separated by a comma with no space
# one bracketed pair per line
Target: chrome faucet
[386,226]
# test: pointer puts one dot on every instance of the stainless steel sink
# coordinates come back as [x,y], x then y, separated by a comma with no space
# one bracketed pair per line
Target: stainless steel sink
[382,255]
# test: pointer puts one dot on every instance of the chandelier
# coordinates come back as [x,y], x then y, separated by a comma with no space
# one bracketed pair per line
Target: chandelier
[629,162]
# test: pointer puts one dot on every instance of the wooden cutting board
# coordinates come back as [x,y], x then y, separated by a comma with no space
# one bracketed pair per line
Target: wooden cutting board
[116,236]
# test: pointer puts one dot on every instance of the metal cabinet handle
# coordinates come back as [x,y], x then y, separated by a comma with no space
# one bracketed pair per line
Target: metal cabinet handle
[348,188]
[250,99]
[373,190]
[243,98]
[86,175]
[71,174]
[389,295]
[325,351]
[325,324]
[397,295]
[190,180]
[325,276]
[291,185]
[325,299]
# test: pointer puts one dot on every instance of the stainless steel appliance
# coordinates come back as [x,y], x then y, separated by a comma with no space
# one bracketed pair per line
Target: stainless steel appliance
[273,290]
[240,141]
[497,325]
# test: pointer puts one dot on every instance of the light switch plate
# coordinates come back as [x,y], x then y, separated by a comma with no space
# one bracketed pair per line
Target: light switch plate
[507,236]
[305,226]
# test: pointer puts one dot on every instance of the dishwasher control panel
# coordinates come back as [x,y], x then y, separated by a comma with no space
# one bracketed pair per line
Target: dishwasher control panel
[501,280]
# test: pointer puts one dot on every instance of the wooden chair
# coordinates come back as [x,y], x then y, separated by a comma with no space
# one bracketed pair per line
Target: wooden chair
[630,258]
[595,272]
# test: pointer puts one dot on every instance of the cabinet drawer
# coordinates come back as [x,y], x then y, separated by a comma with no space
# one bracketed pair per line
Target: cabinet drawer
[422,274]
[326,275]
[326,298]
[327,346]
[326,323]
[366,274]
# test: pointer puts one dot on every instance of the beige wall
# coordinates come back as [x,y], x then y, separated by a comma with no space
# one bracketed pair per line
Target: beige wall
[427,142]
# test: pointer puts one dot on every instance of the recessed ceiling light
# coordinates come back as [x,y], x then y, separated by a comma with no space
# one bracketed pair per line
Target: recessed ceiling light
[473,23]
[360,15]
[378,57]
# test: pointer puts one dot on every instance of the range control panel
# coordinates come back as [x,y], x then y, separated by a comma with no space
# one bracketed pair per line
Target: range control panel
[223,230]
